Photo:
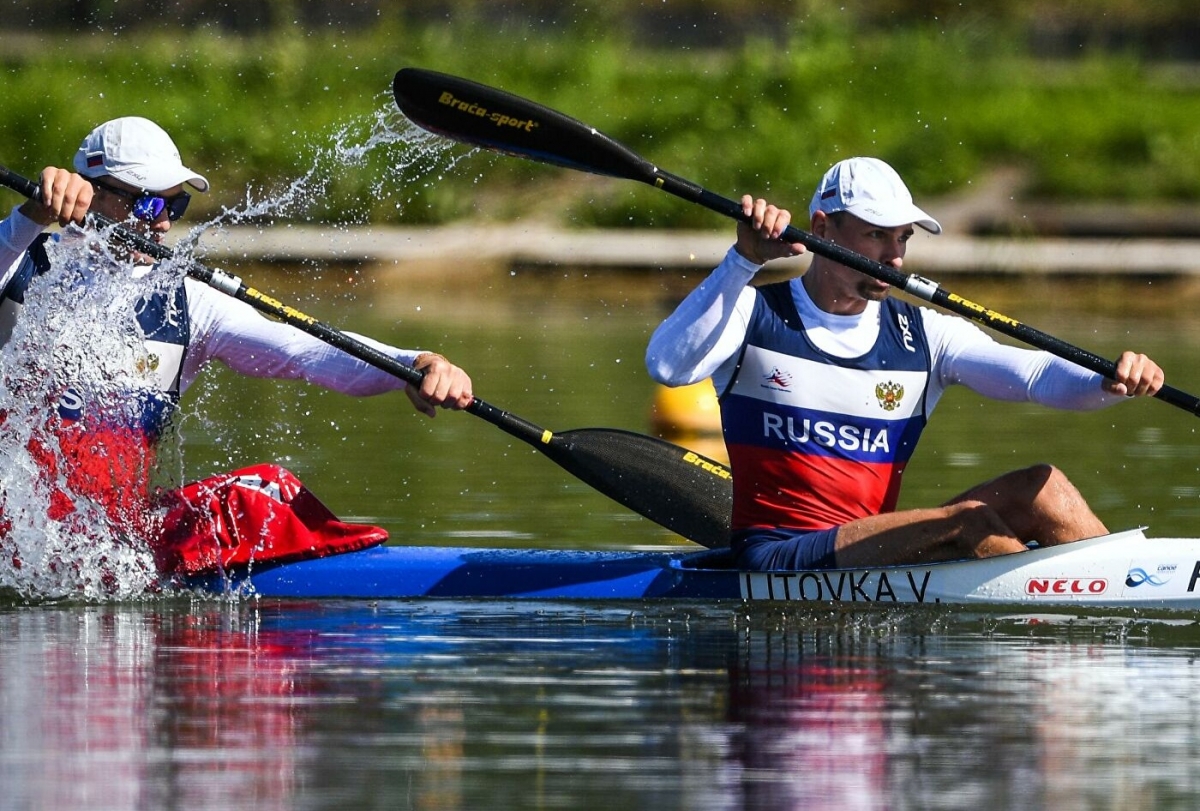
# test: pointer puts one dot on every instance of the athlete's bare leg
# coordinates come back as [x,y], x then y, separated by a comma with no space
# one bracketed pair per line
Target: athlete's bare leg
[965,529]
[995,518]
[1039,504]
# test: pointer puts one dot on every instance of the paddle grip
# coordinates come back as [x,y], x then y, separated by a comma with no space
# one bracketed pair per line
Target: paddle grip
[20,184]
[511,424]
[1179,399]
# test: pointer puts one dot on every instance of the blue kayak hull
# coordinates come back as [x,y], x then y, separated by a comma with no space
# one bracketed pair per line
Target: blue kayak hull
[1120,570]
[390,572]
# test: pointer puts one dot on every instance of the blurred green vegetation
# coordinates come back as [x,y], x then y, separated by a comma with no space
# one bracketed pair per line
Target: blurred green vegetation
[946,99]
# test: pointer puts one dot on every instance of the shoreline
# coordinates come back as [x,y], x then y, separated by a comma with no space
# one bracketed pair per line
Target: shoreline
[536,246]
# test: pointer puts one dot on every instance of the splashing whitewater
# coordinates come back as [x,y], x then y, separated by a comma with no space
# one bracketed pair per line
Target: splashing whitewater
[78,332]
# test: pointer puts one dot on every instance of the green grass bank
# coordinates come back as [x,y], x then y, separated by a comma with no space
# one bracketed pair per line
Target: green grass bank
[945,104]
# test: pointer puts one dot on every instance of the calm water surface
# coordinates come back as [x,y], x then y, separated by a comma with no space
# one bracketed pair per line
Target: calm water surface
[263,704]
[519,705]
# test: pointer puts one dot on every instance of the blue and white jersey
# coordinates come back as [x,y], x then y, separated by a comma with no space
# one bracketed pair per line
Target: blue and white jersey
[817,440]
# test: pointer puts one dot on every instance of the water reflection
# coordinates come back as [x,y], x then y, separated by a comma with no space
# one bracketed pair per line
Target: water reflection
[996,712]
[554,705]
[814,725]
[120,708]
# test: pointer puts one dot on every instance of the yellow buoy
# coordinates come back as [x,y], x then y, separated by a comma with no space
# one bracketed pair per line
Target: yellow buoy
[686,409]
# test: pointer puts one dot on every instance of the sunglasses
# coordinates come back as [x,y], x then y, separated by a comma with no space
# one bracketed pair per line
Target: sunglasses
[148,206]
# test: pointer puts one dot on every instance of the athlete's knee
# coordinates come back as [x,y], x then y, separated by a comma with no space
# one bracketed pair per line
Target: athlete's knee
[974,513]
[1039,488]
[1035,477]
[1048,487]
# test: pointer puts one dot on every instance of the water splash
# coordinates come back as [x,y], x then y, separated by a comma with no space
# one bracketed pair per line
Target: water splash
[77,337]
[411,153]
[78,333]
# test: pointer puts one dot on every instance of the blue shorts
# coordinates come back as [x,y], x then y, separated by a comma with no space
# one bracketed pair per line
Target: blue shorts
[785,550]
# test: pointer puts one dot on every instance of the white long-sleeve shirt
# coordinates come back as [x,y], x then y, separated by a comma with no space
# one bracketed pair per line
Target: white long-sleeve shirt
[704,336]
[225,329]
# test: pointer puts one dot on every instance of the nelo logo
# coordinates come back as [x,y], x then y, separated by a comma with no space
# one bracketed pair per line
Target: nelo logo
[1055,586]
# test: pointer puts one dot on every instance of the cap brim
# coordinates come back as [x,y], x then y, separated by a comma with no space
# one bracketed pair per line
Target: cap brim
[896,217]
[200,183]
[176,176]
[157,179]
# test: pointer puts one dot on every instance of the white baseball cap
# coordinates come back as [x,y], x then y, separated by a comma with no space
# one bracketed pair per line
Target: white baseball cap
[872,191]
[136,151]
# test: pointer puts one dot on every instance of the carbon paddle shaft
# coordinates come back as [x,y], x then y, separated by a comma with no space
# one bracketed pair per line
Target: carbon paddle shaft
[682,491]
[494,119]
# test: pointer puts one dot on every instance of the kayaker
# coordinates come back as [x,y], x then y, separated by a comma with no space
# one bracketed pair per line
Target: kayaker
[94,451]
[826,383]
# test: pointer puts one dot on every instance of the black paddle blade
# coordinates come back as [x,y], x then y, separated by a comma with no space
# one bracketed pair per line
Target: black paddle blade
[493,119]
[683,491]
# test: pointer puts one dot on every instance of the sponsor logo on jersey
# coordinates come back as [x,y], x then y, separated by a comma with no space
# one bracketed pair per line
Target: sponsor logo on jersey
[777,379]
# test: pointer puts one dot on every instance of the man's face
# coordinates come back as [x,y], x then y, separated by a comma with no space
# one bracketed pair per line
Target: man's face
[146,213]
[116,200]
[884,245]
